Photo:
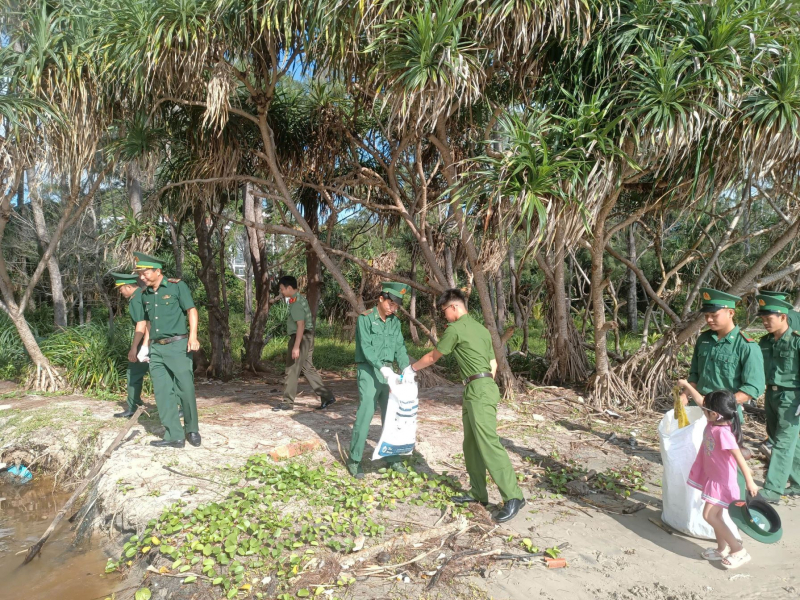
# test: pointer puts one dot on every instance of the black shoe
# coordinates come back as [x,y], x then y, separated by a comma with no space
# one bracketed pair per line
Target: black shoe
[283,406]
[125,415]
[168,444]
[194,439]
[327,403]
[466,500]
[509,510]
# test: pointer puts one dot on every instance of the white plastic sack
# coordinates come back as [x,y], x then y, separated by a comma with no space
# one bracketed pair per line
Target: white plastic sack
[682,505]
[399,433]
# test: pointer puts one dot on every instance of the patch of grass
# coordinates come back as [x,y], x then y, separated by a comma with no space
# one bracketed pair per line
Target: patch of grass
[621,481]
[278,521]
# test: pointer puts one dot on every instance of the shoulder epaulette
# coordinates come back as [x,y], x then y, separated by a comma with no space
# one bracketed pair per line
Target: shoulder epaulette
[173,280]
[366,312]
[795,332]
[744,335]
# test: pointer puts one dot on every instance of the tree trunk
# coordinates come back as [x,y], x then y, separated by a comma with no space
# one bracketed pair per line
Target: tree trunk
[500,294]
[177,246]
[448,267]
[257,247]
[412,307]
[221,362]
[248,279]
[56,285]
[134,189]
[604,384]
[81,313]
[310,203]
[565,354]
[633,310]
[512,269]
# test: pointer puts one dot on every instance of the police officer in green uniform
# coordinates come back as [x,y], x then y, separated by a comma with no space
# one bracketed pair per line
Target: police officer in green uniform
[793,316]
[379,343]
[167,305]
[127,284]
[299,359]
[471,344]
[781,350]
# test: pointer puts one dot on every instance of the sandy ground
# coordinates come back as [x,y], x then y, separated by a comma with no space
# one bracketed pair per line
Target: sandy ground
[610,555]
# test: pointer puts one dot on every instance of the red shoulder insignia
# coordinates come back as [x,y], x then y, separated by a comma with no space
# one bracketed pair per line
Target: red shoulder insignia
[744,335]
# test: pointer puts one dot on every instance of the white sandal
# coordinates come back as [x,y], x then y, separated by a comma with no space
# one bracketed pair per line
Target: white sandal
[736,559]
[713,554]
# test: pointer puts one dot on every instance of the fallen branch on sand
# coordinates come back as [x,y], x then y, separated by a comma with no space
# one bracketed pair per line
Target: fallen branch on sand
[34,550]
[459,525]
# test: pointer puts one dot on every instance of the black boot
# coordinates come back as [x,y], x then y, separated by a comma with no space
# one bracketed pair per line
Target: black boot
[466,500]
[194,439]
[168,443]
[327,403]
[509,510]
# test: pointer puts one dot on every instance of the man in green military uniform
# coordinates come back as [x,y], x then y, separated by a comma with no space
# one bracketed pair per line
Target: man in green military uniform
[794,323]
[471,344]
[724,357]
[379,343]
[793,316]
[167,305]
[781,350]
[127,284]
[300,327]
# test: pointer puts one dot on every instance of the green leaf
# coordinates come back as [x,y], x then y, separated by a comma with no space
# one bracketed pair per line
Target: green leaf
[142,594]
[190,579]
[303,593]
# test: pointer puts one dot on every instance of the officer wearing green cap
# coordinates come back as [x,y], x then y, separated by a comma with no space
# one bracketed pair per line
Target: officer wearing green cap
[471,344]
[166,306]
[379,343]
[794,322]
[781,350]
[127,284]
[724,357]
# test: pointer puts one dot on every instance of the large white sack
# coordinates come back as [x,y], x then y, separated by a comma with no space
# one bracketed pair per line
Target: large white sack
[682,504]
[399,433]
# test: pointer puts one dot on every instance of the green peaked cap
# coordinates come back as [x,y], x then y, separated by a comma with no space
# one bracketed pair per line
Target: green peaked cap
[713,300]
[124,278]
[396,291]
[778,295]
[768,305]
[145,261]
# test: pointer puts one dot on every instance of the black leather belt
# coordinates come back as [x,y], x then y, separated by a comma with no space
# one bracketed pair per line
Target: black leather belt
[781,388]
[169,340]
[476,376]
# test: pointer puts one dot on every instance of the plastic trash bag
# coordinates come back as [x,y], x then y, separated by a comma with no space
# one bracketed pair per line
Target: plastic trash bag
[682,505]
[399,433]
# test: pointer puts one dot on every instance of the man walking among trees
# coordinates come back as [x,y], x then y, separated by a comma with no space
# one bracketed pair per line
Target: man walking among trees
[379,343]
[781,350]
[299,359]
[471,344]
[166,306]
[127,284]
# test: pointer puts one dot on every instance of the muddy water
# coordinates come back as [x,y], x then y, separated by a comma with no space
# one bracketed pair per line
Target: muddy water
[63,570]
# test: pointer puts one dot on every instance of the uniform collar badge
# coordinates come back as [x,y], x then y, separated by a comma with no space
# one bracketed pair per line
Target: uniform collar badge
[167,297]
[292,300]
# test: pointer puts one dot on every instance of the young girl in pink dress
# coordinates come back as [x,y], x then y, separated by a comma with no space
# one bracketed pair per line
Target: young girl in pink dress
[714,471]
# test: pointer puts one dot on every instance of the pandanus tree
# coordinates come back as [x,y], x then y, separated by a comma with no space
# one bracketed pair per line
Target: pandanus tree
[54,122]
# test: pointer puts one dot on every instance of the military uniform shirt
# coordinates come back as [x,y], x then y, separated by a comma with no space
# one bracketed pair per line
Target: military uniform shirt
[732,363]
[166,309]
[782,359]
[379,342]
[470,343]
[135,307]
[299,310]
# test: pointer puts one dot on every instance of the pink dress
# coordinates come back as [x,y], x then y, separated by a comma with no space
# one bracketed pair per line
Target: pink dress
[714,471]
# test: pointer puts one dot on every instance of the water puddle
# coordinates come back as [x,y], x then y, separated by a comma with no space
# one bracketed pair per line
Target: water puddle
[63,569]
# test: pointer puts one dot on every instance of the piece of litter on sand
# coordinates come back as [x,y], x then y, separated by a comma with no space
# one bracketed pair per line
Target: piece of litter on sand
[738,576]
